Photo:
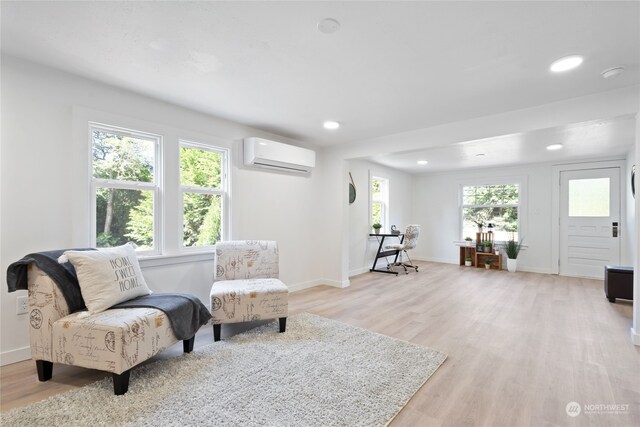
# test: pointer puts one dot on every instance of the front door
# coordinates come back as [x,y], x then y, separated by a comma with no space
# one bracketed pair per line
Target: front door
[589,221]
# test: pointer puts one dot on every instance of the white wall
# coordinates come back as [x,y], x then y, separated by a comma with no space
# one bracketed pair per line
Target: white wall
[44,178]
[362,248]
[635,328]
[628,253]
[437,208]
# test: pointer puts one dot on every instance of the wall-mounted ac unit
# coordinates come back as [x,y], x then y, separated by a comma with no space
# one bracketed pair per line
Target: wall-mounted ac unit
[273,155]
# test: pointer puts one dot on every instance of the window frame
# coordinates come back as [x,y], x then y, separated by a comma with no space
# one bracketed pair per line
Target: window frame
[156,186]
[521,207]
[384,201]
[223,192]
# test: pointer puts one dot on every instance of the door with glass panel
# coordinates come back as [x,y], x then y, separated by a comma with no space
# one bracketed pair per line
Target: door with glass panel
[589,221]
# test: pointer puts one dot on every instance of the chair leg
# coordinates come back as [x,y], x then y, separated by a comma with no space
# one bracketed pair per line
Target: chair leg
[45,370]
[410,265]
[216,331]
[187,345]
[283,324]
[121,383]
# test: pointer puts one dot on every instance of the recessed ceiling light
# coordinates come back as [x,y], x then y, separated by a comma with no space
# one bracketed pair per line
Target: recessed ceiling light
[554,147]
[330,124]
[423,162]
[566,63]
[612,72]
[480,155]
[328,26]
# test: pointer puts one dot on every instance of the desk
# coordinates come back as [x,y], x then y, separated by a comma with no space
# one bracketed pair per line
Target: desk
[384,254]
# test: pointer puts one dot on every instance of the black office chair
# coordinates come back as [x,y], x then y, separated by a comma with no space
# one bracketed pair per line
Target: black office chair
[410,241]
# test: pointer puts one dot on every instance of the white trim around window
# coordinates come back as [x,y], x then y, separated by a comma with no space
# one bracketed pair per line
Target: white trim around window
[155,186]
[520,181]
[222,191]
[383,200]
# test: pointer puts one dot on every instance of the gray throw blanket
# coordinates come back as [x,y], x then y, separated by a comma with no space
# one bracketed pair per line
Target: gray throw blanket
[185,312]
[64,275]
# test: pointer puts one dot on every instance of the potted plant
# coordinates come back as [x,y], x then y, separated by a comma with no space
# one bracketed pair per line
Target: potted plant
[487,263]
[480,225]
[468,240]
[487,246]
[468,261]
[376,227]
[512,248]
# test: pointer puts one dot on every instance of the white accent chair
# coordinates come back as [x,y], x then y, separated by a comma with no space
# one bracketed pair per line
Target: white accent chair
[409,242]
[115,340]
[246,286]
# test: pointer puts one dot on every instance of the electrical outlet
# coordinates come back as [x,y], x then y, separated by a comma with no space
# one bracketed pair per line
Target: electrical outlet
[22,305]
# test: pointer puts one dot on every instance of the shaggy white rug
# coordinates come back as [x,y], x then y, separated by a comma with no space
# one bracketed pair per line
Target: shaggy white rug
[320,372]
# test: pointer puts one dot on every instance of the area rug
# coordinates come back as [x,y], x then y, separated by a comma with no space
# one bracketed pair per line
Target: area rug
[320,372]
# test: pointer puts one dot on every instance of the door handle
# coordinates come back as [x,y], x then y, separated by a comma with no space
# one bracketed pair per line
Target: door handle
[614,229]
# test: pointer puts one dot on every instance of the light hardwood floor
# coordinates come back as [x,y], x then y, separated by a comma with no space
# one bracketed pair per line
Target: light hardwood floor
[520,346]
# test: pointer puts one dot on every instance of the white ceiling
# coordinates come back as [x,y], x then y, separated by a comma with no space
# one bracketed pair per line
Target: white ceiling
[609,137]
[392,67]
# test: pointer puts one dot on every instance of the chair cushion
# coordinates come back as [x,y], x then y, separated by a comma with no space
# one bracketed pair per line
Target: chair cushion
[395,246]
[245,300]
[113,340]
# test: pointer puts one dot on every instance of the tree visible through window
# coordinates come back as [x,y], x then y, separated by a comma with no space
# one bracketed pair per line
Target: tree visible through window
[124,185]
[202,180]
[379,201]
[491,204]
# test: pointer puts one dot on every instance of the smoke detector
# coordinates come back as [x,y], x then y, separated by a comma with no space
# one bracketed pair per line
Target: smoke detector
[328,26]
[612,72]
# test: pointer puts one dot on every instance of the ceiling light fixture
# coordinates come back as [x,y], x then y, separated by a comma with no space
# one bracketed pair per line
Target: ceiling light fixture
[331,125]
[423,162]
[480,155]
[611,72]
[554,147]
[328,26]
[566,63]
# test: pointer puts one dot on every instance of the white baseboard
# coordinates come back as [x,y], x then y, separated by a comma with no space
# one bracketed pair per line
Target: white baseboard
[440,260]
[635,337]
[318,282]
[532,269]
[504,264]
[359,271]
[13,356]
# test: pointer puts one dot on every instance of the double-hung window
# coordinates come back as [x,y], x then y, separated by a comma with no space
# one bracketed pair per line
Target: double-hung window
[125,187]
[380,202]
[203,188]
[497,204]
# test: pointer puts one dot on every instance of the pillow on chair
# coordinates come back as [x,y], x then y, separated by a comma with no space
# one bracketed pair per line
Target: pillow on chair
[107,276]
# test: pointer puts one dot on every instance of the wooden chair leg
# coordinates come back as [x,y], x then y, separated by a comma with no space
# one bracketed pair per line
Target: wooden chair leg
[121,382]
[216,332]
[283,323]
[187,345]
[45,370]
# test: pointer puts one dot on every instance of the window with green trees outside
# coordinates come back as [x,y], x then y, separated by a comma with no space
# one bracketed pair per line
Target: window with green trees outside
[491,204]
[125,188]
[127,192]
[203,188]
